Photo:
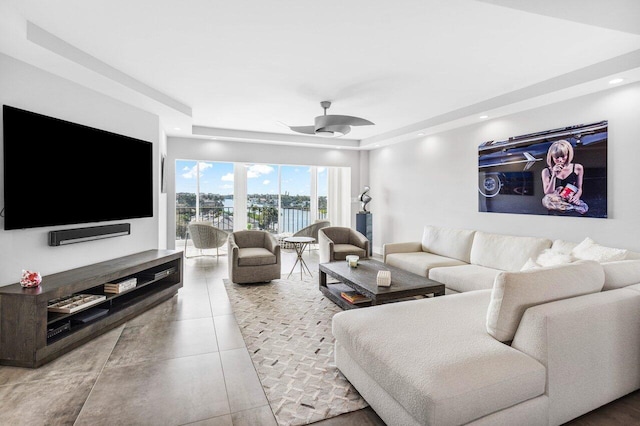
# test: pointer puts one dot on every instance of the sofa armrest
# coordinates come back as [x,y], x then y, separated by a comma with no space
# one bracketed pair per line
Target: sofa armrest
[590,346]
[406,247]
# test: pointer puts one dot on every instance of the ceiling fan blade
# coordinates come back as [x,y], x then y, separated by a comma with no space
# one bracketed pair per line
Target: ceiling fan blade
[331,125]
[340,120]
[309,130]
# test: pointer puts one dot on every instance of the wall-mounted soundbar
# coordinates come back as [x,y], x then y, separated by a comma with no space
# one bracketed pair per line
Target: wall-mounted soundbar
[79,235]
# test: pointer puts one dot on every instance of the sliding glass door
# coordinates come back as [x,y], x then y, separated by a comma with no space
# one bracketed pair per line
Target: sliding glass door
[216,194]
[322,185]
[295,190]
[232,196]
[204,191]
[263,201]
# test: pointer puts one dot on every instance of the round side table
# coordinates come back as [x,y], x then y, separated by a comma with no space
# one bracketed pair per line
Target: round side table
[300,244]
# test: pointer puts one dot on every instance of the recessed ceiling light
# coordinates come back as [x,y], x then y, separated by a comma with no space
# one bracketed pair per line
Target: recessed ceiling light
[616,80]
[484,116]
[377,144]
[421,134]
[176,128]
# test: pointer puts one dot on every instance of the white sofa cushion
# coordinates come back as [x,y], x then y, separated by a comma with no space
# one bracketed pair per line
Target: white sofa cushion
[514,292]
[621,273]
[435,358]
[420,262]
[505,252]
[590,250]
[465,277]
[448,242]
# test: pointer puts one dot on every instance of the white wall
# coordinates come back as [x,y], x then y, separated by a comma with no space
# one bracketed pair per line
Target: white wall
[244,152]
[434,180]
[33,89]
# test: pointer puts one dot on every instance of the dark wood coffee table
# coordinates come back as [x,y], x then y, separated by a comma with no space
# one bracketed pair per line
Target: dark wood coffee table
[363,279]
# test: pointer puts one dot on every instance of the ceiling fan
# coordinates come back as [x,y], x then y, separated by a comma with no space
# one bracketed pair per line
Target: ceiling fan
[331,125]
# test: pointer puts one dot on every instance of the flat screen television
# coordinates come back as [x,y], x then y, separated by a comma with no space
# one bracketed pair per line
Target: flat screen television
[62,173]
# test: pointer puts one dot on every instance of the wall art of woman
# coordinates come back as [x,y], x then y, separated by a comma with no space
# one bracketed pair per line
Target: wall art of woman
[562,180]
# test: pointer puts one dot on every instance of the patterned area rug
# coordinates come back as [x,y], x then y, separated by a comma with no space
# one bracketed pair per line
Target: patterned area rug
[286,325]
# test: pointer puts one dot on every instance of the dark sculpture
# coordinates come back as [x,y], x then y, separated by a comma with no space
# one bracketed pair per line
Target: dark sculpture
[365,199]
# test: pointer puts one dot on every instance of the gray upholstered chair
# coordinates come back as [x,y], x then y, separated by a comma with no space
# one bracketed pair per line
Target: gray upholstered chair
[336,242]
[205,236]
[312,230]
[254,256]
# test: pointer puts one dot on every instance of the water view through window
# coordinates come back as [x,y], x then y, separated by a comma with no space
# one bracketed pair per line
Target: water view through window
[278,196]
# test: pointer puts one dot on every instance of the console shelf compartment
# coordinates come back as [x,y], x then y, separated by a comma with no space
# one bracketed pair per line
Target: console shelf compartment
[25,320]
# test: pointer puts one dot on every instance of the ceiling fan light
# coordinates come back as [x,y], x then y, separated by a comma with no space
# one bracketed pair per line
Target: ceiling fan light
[325,133]
[335,130]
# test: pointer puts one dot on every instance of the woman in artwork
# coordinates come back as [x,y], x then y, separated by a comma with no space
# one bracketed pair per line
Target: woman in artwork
[562,180]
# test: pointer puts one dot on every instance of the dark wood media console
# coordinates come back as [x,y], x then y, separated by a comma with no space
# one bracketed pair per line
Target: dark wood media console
[31,335]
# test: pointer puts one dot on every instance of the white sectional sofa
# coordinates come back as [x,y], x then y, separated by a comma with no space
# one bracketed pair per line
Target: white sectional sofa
[465,260]
[540,345]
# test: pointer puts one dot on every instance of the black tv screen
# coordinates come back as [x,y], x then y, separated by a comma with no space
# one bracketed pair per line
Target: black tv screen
[61,173]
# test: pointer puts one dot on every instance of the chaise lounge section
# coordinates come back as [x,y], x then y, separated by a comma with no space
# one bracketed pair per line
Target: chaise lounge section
[484,358]
[540,346]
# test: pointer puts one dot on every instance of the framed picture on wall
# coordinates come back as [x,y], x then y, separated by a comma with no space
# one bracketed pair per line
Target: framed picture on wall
[559,172]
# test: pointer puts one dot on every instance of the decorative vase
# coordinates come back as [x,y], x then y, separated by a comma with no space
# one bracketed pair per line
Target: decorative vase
[30,279]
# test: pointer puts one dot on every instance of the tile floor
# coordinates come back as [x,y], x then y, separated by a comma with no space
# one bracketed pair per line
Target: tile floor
[182,362]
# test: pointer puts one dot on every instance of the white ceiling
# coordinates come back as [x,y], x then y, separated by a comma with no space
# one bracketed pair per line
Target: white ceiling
[242,69]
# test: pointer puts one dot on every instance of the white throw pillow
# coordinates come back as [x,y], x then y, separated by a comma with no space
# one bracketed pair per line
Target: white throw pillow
[589,250]
[514,292]
[551,257]
[563,246]
[530,264]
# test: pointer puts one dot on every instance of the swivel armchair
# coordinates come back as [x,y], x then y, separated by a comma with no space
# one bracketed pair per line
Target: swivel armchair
[337,242]
[312,231]
[254,256]
[205,236]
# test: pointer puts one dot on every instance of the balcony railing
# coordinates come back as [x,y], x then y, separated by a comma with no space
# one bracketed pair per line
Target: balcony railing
[220,217]
[267,218]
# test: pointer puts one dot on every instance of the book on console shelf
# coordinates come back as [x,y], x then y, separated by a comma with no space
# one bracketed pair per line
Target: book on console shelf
[158,274]
[354,297]
[120,286]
